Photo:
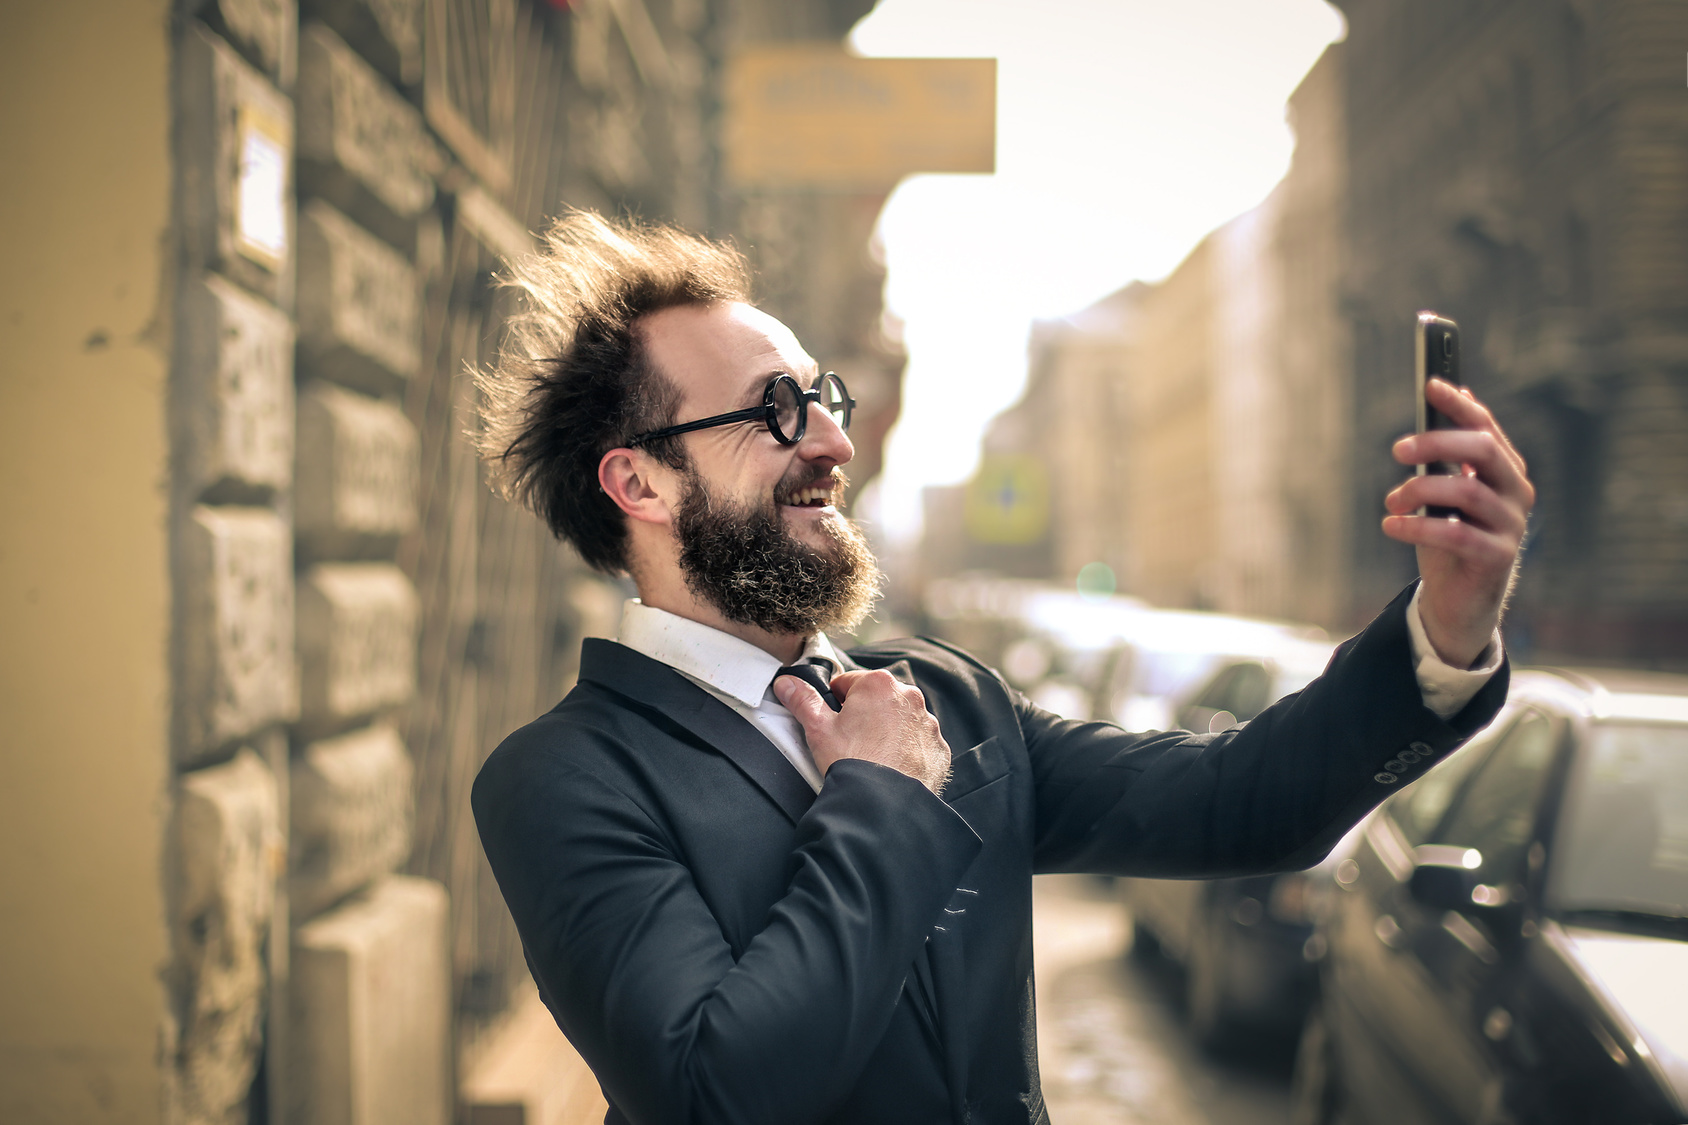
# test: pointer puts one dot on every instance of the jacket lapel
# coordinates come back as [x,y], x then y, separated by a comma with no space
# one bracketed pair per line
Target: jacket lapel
[697,717]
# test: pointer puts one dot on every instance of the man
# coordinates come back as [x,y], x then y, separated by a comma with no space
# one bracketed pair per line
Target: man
[745,906]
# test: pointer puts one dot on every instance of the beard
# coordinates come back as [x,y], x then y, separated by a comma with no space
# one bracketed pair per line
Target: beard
[743,561]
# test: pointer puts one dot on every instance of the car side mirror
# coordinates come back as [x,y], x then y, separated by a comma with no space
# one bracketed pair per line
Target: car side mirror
[1445,876]
[1441,888]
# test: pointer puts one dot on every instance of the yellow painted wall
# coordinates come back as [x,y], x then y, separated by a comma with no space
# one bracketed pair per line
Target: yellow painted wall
[84,214]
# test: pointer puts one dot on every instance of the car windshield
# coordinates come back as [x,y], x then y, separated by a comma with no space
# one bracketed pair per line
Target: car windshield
[1623,842]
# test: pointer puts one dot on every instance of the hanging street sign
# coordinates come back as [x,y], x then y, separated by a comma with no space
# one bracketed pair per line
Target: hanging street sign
[814,116]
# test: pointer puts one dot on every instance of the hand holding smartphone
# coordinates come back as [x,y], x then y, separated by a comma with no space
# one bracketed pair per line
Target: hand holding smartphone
[1436,356]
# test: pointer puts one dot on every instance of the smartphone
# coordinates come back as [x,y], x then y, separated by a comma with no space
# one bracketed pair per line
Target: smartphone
[1436,347]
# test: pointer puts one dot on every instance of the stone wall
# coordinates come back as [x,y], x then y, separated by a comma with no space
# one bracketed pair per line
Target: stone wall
[295,796]
[369,1005]
[354,618]
[232,431]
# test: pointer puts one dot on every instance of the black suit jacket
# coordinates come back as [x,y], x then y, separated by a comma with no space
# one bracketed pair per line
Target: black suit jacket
[721,944]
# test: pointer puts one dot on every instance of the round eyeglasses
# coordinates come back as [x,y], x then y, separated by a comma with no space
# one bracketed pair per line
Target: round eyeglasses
[784,409]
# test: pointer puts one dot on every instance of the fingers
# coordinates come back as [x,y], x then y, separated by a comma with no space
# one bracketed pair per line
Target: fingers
[844,682]
[1496,462]
[1478,439]
[804,703]
[1481,504]
[874,684]
[1490,549]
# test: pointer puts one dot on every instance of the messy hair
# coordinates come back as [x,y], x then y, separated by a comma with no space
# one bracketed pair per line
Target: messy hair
[572,380]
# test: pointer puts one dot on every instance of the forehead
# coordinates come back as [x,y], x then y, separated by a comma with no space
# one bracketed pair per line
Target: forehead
[719,353]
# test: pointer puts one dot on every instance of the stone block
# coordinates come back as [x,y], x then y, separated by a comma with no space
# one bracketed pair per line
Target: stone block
[264,30]
[228,854]
[351,811]
[360,313]
[371,1010]
[235,592]
[359,460]
[362,146]
[234,403]
[357,640]
[234,141]
[386,32]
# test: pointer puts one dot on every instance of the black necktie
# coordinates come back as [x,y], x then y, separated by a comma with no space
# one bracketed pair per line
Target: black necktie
[814,672]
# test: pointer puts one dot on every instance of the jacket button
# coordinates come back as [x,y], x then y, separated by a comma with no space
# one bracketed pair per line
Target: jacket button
[1422,748]
[1384,778]
[1408,756]
[1396,765]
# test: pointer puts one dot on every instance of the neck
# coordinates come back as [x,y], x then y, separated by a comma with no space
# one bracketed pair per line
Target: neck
[678,599]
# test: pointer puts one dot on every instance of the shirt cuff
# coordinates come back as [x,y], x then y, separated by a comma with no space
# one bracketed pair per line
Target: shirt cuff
[1447,689]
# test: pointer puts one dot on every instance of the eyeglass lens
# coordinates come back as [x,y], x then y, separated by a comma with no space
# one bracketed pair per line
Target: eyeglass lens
[787,399]
[834,400]
[789,403]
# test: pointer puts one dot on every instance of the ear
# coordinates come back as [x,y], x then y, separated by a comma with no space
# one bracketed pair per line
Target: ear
[637,483]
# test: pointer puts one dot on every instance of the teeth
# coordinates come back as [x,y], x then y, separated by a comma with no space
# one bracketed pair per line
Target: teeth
[812,496]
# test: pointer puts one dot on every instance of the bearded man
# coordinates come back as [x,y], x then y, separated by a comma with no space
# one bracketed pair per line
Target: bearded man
[760,880]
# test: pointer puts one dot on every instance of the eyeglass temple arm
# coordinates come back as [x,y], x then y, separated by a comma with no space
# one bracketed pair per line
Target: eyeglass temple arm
[750,414]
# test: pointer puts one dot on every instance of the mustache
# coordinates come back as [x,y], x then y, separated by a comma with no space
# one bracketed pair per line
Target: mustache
[834,480]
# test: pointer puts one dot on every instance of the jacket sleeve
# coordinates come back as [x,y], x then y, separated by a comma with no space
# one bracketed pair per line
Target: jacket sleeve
[1274,794]
[630,959]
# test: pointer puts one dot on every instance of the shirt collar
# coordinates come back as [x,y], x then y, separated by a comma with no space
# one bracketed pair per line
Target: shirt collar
[726,663]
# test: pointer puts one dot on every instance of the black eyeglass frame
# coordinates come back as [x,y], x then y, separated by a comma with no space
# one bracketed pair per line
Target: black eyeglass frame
[768,412]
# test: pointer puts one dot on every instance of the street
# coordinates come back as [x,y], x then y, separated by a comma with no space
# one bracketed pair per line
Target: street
[1113,1048]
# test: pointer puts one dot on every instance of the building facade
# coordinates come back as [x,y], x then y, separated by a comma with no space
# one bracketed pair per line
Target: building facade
[1521,167]
[269,619]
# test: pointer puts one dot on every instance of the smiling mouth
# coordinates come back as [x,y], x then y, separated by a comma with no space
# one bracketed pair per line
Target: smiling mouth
[818,495]
[815,496]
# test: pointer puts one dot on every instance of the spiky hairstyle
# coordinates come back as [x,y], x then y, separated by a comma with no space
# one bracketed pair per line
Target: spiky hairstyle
[572,380]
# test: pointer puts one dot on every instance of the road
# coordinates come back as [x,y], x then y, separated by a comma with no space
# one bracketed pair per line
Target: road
[1112,1047]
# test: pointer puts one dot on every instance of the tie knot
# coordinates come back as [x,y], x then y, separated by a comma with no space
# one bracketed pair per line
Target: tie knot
[816,671]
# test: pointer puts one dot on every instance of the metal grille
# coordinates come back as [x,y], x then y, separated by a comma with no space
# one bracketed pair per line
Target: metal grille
[498,635]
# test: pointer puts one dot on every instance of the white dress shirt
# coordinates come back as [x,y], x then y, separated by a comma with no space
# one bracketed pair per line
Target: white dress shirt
[742,676]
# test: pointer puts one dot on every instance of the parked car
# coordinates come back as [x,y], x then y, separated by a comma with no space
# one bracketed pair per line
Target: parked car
[1246,946]
[1508,942]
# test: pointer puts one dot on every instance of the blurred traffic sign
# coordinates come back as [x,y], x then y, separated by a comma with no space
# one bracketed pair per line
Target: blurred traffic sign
[810,115]
[1007,501]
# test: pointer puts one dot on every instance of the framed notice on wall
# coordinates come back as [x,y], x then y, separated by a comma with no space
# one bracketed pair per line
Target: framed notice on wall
[260,189]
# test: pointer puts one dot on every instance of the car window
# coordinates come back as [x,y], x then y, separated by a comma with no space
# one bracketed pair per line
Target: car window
[1419,808]
[1216,696]
[1240,689]
[1496,812]
[1249,690]
[1624,844]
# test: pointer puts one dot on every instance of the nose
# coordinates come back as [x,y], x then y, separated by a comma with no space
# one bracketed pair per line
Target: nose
[824,439]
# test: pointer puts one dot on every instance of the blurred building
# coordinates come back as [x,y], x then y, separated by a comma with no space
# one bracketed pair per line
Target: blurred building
[265,618]
[1523,168]
[1195,432]
[1517,166]
[1050,493]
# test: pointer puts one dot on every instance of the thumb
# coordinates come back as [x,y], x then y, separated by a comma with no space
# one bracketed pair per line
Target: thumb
[804,703]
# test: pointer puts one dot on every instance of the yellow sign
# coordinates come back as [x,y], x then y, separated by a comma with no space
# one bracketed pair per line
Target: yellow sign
[810,115]
[1007,501]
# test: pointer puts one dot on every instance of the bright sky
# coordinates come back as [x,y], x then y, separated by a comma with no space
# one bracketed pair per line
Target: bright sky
[1126,130]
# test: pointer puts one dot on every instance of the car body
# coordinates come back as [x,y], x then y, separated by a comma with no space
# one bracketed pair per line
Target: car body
[1507,942]
[1243,944]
